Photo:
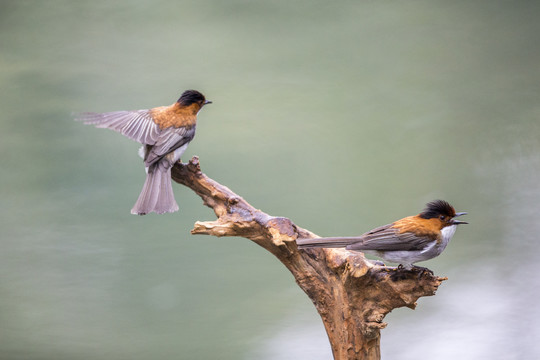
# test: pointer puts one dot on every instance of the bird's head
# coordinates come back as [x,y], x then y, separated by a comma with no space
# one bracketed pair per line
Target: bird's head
[443,212]
[190,97]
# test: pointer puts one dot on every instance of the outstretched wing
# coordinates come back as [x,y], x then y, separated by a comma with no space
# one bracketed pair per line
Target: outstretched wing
[137,125]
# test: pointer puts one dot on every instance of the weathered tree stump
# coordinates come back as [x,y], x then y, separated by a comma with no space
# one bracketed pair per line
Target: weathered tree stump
[351,294]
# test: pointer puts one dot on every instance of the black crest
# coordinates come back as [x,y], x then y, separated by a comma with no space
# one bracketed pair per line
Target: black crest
[191,96]
[437,207]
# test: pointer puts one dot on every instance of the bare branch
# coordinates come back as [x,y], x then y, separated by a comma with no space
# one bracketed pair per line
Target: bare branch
[351,294]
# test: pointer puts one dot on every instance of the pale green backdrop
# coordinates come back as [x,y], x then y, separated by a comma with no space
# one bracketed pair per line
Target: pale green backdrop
[342,115]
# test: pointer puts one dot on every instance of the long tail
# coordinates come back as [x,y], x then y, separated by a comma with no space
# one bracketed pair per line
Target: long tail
[157,193]
[327,242]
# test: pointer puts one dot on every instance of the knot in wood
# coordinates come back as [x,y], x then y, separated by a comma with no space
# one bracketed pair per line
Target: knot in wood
[194,165]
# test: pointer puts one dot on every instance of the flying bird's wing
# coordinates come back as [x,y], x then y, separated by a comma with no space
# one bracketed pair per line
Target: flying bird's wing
[137,125]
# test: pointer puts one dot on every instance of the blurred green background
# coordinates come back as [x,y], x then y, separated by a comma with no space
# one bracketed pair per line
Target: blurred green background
[341,115]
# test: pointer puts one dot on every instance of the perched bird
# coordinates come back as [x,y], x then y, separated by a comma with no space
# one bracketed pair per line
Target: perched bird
[406,241]
[165,133]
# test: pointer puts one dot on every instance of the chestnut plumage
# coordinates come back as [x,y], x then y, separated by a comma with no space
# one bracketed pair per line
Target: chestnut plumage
[405,241]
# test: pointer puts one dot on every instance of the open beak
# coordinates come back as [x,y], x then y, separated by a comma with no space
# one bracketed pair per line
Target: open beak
[457,222]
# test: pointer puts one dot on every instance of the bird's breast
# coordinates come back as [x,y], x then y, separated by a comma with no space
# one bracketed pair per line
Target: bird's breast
[447,233]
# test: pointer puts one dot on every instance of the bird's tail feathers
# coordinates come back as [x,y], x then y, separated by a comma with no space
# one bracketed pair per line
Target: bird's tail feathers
[157,193]
[326,242]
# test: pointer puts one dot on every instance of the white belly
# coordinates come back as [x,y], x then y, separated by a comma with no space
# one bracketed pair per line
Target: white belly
[407,258]
[177,154]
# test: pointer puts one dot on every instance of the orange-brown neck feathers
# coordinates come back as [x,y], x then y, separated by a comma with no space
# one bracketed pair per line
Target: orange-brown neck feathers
[176,115]
[419,226]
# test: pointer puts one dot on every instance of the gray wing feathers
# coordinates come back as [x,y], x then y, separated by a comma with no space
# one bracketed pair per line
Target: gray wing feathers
[168,141]
[172,140]
[385,238]
[136,125]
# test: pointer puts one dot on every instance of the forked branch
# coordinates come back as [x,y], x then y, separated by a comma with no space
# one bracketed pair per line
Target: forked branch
[351,294]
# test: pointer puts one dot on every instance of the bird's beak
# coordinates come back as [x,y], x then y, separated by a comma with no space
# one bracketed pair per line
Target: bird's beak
[457,222]
[206,102]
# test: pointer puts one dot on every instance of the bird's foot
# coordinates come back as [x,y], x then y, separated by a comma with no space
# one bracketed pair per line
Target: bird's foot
[383,266]
[402,272]
[421,270]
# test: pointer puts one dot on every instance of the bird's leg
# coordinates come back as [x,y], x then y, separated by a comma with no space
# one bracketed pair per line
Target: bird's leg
[383,266]
[404,267]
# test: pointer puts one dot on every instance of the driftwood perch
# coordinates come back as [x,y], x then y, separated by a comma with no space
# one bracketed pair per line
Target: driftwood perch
[351,294]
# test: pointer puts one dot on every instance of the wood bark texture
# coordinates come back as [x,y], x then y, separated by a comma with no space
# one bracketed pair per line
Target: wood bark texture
[351,294]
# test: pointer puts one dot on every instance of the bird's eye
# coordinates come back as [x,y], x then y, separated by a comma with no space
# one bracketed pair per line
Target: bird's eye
[442,217]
